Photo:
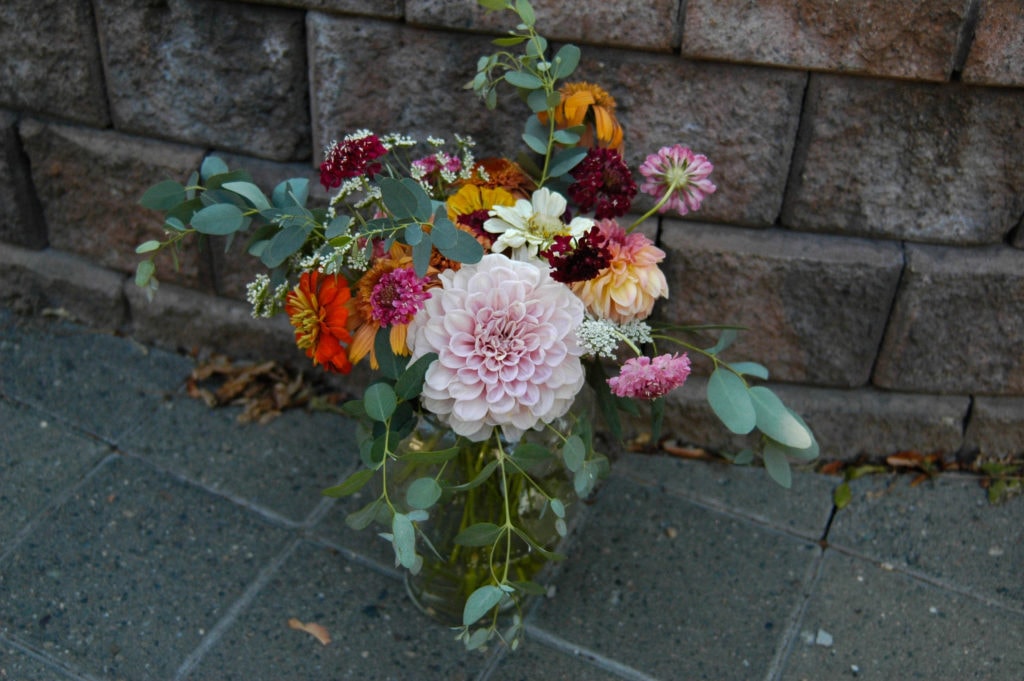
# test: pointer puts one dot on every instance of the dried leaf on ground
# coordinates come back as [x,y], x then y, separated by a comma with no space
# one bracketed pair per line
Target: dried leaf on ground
[264,390]
[315,630]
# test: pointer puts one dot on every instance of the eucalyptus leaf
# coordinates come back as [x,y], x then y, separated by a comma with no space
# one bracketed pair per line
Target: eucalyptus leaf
[751,369]
[538,102]
[413,233]
[250,192]
[293,192]
[218,219]
[380,401]
[212,165]
[729,399]
[423,493]
[284,245]
[163,196]
[443,233]
[480,478]
[529,588]
[144,273]
[433,456]
[510,41]
[147,247]
[391,365]
[558,508]
[480,603]
[777,466]
[403,535]
[424,206]
[535,143]
[479,534]
[175,223]
[467,250]
[565,160]
[410,382]
[337,227]
[528,454]
[566,60]
[524,80]
[566,136]
[574,452]
[397,198]
[351,484]
[364,517]
[421,254]
[727,338]
[778,422]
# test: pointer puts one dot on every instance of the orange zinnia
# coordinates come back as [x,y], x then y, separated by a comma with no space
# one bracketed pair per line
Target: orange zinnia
[590,105]
[317,308]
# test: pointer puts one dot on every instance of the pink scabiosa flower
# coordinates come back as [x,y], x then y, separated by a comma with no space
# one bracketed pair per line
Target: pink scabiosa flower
[627,289]
[678,178]
[351,157]
[507,354]
[646,378]
[603,184]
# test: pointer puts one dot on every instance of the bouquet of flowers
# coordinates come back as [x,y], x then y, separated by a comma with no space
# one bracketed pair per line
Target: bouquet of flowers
[500,301]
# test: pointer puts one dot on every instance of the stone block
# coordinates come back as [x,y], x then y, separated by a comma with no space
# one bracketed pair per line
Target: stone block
[912,161]
[640,24]
[372,75]
[958,323]
[744,119]
[33,281]
[387,9]
[89,183]
[847,423]
[181,318]
[52,60]
[227,75]
[996,427]
[814,306]
[910,40]
[997,53]
[21,220]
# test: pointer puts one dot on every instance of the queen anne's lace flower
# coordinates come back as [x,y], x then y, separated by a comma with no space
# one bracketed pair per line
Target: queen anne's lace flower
[505,335]
[530,226]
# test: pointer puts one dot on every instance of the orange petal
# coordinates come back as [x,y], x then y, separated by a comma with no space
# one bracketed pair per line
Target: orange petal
[313,629]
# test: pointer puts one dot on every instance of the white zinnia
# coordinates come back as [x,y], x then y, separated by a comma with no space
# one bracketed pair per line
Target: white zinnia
[531,226]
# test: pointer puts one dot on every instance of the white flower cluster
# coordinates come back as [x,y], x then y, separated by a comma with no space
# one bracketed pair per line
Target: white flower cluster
[266,302]
[394,139]
[601,337]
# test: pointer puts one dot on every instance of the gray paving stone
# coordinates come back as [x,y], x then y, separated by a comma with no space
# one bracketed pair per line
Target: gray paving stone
[804,509]
[674,590]
[18,666]
[39,459]
[376,633]
[97,382]
[945,529]
[281,466]
[533,661]
[885,625]
[131,573]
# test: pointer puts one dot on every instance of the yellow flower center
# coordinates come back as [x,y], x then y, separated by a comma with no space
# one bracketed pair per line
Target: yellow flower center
[545,226]
[306,321]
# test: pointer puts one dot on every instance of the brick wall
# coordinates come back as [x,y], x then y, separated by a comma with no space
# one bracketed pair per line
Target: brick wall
[867,226]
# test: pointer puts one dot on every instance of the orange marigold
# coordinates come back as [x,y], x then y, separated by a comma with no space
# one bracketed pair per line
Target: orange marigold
[318,309]
[590,105]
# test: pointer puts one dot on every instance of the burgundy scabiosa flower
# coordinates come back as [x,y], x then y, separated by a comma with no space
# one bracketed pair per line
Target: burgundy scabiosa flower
[580,259]
[603,184]
[352,157]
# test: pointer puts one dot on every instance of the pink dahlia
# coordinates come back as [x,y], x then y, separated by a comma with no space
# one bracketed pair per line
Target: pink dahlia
[678,178]
[505,335]
[631,283]
[646,378]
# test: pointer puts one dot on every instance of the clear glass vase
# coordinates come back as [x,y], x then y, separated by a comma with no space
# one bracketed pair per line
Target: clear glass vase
[449,576]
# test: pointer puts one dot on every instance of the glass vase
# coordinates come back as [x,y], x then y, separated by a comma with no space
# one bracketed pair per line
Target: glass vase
[451,572]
